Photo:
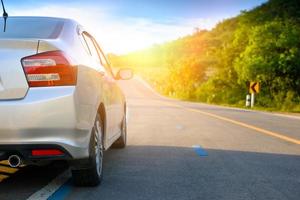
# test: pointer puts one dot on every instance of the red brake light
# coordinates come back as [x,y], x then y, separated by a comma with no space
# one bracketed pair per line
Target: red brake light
[51,68]
[47,152]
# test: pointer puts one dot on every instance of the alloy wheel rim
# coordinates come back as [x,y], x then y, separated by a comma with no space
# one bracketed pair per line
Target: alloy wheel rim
[124,129]
[98,147]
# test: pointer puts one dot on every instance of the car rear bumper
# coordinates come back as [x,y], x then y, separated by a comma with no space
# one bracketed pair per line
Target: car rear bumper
[46,116]
[25,152]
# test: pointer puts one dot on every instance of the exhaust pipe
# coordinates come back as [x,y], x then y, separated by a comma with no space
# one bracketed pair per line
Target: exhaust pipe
[14,161]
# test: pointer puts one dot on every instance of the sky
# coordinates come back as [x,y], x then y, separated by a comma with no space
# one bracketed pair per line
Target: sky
[122,26]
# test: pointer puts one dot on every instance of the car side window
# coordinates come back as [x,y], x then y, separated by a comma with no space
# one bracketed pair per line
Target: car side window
[91,47]
[95,51]
[103,59]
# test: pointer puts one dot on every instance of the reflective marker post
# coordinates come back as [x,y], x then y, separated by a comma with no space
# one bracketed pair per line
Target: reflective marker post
[252,99]
[248,100]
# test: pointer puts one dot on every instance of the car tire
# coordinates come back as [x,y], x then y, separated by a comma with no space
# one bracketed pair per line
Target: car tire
[92,176]
[121,142]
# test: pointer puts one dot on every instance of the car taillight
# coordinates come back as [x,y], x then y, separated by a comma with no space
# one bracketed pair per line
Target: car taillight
[51,68]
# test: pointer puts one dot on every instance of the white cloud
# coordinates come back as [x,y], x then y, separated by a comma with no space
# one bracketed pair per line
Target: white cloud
[121,35]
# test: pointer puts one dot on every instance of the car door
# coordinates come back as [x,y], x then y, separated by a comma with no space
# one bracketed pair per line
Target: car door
[106,80]
[117,97]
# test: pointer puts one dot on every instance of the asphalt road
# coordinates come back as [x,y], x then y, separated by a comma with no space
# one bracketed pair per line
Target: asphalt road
[181,150]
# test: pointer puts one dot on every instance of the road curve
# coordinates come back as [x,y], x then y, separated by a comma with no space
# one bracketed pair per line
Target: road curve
[182,150]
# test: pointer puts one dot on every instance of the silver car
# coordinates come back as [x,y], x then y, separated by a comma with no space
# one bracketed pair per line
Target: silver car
[59,98]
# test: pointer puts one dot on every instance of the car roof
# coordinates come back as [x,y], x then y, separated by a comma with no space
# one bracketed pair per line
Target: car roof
[40,17]
[35,27]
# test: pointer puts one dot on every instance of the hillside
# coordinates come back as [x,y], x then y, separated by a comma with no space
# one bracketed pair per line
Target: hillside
[216,66]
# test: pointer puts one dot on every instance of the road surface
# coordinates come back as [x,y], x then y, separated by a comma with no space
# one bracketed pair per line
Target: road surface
[181,150]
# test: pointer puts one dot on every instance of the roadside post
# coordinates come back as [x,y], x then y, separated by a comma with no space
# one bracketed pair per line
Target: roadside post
[252,99]
[248,100]
[254,88]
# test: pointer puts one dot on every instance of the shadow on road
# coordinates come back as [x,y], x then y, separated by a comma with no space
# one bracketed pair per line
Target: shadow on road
[156,172]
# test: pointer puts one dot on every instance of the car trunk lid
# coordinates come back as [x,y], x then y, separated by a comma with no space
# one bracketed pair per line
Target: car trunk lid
[13,82]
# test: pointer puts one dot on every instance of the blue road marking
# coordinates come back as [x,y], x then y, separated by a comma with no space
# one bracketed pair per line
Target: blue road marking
[200,151]
[62,192]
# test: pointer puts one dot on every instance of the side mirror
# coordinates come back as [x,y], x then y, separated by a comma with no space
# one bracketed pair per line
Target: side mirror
[124,74]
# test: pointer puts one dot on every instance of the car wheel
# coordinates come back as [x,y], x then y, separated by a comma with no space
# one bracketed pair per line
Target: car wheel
[92,176]
[122,140]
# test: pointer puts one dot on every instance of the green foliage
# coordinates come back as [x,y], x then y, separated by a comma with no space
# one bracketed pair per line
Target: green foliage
[215,66]
[272,57]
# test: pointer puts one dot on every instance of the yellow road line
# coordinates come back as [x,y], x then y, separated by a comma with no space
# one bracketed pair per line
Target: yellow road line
[4,162]
[3,177]
[8,170]
[4,168]
[260,130]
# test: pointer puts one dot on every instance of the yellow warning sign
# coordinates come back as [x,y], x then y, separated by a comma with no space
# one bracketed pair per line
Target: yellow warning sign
[254,87]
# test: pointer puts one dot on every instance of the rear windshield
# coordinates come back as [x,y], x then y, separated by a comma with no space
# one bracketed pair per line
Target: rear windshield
[26,27]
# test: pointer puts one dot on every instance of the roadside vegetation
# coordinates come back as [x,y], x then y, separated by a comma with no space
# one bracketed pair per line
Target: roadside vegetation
[216,66]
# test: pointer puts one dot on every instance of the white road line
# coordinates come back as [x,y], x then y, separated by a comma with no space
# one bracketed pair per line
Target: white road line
[288,116]
[53,186]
